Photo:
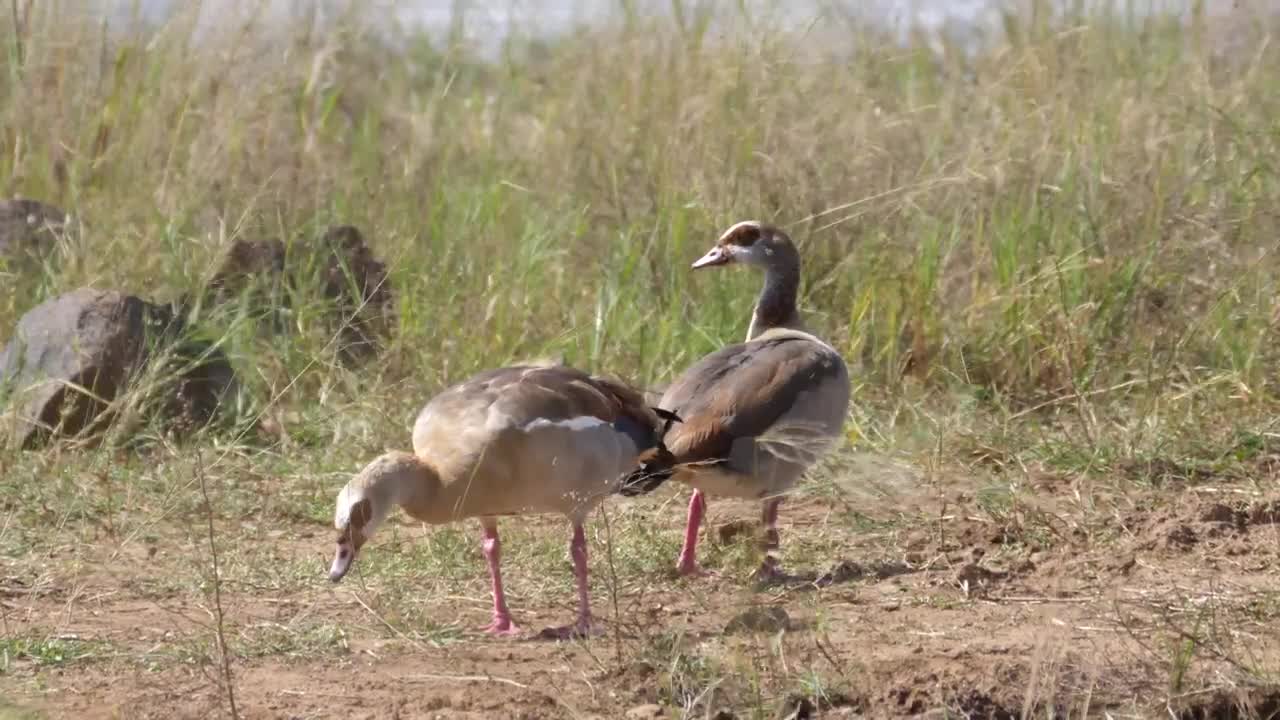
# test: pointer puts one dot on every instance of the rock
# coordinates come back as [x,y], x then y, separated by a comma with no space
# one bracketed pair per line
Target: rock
[1181,537]
[1218,513]
[885,569]
[358,282]
[734,529]
[796,708]
[645,712]
[841,572]
[976,579]
[202,379]
[101,340]
[29,227]
[254,270]
[339,264]
[247,262]
[637,671]
[762,618]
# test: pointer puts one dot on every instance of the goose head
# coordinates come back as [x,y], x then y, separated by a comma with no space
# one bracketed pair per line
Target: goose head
[767,248]
[754,243]
[389,480]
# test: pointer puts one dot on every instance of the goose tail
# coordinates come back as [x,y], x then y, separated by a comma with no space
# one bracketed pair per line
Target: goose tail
[656,465]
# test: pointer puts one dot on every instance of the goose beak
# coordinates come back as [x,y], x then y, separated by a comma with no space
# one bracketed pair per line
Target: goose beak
[342,559]
[714,256]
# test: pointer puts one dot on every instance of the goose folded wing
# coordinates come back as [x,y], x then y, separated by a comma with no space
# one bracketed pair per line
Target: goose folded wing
[746,391]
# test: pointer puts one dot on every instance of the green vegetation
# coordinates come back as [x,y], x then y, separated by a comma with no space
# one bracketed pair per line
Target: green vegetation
[45,651]
[1075,221]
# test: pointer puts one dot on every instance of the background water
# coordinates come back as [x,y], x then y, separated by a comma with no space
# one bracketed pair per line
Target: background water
[486,23]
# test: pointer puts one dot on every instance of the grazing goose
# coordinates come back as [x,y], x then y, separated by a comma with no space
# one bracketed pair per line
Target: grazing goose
[754,415]
[511,441]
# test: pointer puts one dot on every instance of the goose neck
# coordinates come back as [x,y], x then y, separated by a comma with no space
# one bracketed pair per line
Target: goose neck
[776,305]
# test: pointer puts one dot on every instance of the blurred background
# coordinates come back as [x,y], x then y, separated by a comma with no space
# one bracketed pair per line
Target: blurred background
[487,23]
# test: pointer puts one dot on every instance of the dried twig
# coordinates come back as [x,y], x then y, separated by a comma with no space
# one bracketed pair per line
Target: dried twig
[227,680]
[432,677]
[394,630]
[613,585]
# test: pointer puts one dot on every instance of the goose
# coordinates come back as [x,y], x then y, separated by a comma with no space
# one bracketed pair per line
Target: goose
[536,438]
[755,415]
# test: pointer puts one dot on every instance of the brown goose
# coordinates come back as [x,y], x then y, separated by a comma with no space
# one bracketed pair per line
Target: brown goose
[754,415]
[516,440]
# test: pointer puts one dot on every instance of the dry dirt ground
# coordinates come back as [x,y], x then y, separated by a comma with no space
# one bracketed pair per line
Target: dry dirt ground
[1052,597]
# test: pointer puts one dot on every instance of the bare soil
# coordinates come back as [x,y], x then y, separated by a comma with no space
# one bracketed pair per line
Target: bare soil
[1078,602]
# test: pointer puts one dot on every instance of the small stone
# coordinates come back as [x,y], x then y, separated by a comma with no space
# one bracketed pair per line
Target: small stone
[732,530]
[1181,536]
[1219,513]
[645,712]
[768,618]
[975,574]
[796,708]
[843,571]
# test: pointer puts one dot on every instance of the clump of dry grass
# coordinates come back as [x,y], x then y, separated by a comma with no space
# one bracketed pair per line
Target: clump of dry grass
[1077,204]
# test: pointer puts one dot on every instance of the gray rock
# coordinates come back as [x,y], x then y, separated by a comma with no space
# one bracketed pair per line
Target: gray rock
[645,712]
[71,356]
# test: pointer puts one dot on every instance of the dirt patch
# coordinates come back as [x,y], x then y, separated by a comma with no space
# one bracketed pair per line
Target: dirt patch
[948,617]
[1196,520]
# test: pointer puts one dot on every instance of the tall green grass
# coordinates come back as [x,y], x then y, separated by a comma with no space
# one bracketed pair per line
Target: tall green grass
[1081,210]
[1054,254]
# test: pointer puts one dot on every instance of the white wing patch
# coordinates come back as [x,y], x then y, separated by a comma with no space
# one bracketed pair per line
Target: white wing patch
[582,422]
[342,511]
[572,464]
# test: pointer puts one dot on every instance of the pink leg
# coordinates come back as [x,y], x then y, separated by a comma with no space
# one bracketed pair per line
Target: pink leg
[581,628]
[688,562]
[771,568]
[578,548]
[502,624]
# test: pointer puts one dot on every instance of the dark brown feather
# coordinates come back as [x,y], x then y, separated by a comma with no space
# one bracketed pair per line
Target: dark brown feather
[740,391]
